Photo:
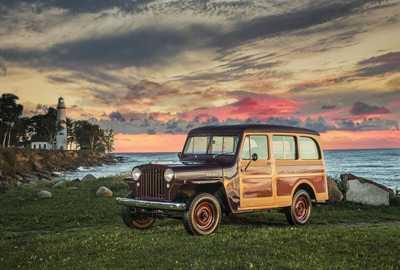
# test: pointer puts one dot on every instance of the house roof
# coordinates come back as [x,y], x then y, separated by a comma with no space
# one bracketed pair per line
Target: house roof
[251,128]
[37,138]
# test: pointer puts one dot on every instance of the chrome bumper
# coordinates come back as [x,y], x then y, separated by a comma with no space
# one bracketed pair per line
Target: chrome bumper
[152,205]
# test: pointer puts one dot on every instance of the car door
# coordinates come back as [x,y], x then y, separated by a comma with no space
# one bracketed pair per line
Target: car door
[256,182]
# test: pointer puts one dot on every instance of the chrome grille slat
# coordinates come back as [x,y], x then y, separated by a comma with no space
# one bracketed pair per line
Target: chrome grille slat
[152,184]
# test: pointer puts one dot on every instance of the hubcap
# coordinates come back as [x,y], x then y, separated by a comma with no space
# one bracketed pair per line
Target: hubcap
[204,215]
[301,208]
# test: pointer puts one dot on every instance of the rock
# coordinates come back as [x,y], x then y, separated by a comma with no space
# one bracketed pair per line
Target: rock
[44,194]
[44,181]
[104,192]
[88,177]
[76,180]
[72,188]
[18,177]
[58,184]
[335,195]
[366,191]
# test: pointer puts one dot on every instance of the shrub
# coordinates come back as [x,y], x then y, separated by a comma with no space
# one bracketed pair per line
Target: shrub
[342,184]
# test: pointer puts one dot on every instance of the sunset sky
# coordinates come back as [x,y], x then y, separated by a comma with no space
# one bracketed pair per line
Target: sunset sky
[152,70]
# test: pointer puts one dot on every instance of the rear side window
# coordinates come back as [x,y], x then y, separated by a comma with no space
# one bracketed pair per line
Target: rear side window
[309,149]
[255,145]
[284,147]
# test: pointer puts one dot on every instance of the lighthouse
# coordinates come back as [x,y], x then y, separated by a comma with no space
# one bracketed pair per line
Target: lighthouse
[61,137]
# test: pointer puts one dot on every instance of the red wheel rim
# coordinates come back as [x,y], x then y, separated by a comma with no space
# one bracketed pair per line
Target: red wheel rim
[204,215]
[142,221]
[301,208]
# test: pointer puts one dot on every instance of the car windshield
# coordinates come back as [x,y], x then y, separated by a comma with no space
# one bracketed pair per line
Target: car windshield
[214,145]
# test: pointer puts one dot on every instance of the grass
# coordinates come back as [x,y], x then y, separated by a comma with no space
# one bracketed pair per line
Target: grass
[77,230]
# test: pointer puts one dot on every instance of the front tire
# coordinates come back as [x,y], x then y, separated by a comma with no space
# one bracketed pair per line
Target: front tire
[133,220]
[299,212]
[203,215]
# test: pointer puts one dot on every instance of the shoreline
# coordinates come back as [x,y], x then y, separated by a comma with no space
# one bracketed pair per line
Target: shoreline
[22,165]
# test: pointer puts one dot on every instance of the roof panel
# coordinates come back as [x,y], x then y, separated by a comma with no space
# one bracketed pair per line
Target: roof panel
[251,128]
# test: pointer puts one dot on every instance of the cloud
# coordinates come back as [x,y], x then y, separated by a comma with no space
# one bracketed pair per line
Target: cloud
[273,25]
[368,125]
[361,108]
[379,65]
[116,116]
[181,126]
[3,69]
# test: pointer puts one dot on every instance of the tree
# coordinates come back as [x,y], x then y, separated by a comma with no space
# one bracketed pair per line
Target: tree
[71,136]
[108,141]
[9,113]
[88,136]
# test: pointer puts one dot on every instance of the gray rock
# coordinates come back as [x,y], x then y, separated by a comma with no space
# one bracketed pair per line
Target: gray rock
[72,188]
[44,194]
[104,192]
[335,195]
[89,177]
[44,181]
[366,191]
[58,184]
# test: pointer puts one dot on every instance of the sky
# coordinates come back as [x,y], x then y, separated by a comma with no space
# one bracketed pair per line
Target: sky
[152,70]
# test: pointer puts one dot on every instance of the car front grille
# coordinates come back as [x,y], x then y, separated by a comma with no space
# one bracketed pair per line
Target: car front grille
[152,184]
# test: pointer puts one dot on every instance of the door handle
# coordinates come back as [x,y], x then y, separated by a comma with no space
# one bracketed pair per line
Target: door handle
[269,162]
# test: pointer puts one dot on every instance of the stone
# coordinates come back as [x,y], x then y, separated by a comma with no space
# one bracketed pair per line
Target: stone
[365,191]
[89,177]
[104,192]
[44,194]
[335,195]
[58,184]
[44,181]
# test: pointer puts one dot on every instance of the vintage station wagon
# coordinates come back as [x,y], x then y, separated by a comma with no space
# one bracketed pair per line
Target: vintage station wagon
[230,169]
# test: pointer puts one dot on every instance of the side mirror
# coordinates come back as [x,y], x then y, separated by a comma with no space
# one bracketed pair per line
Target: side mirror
[180,154]
[254,157]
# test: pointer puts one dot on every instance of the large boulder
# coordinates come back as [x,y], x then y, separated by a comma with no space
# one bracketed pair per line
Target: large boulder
[44,194]
[365,191]
[58,184]
[88,177]
[104,192]
[335,195]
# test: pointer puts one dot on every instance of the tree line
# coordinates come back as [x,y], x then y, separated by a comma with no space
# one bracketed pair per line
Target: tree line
[15,128]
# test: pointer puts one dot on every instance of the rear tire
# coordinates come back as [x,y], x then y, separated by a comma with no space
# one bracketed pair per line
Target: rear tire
[299,212]
[134,221]
[203,215]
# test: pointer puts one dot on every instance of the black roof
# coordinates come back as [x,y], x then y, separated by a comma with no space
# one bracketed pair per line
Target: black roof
[37,138]
[251,128]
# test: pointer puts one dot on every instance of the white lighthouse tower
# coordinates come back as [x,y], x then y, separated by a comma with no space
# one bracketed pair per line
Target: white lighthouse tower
[61,137]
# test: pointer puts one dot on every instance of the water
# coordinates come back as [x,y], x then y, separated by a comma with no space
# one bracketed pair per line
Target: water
[380,165]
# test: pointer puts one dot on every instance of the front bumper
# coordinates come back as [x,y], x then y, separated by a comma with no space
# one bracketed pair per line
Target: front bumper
[152,205]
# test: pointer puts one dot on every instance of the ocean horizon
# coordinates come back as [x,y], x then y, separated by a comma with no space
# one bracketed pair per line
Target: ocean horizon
[380,165]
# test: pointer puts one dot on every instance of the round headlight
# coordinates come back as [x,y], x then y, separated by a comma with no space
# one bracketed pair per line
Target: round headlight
[136,173]
[169,175]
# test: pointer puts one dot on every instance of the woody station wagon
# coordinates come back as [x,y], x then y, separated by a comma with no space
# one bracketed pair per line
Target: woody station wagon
[230,169]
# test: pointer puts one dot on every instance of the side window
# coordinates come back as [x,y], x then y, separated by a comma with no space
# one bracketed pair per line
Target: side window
[224,145]
[255,145]
[309,149]
[284,147]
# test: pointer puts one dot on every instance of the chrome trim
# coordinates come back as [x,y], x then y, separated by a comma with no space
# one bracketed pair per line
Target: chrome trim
[166,162]
[151,204]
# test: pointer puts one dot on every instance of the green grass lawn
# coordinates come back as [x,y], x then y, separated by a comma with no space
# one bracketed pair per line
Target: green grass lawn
[77,230]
